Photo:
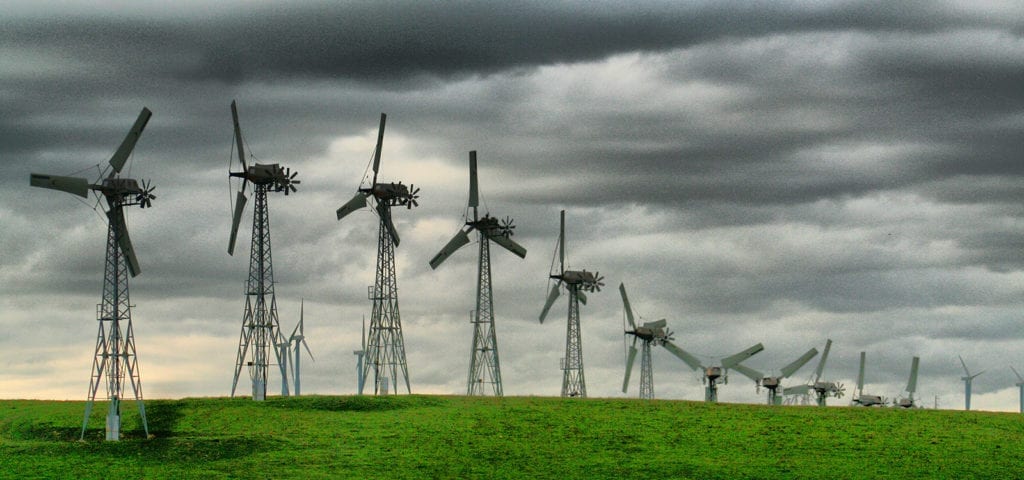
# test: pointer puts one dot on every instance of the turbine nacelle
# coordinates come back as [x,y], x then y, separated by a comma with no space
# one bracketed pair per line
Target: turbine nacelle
[652,331]
[588,281]
[394,194]
[869,400]
[272,174]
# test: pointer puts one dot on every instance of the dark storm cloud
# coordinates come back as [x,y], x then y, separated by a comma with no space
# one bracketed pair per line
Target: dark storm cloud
[780,173]
[393,41]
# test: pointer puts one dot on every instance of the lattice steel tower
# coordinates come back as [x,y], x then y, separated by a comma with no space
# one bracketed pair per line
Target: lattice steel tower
[261,329]
[574,383]
[385,345]
[115,356]
[484,366]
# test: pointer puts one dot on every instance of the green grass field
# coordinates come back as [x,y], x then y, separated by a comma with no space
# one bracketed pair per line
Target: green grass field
[522,437]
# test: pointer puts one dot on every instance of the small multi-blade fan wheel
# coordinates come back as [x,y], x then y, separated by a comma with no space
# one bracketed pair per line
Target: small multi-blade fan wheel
[414,193]
[146,197]
[286,181]
[839,390]
[598,282]
[506,227]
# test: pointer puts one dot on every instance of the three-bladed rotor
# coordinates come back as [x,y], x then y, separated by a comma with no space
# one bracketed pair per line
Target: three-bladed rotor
[118,192]
[273,176]
[651,333]
[386,195]
[581,280]
[490,228]
[822,389]
[298,336]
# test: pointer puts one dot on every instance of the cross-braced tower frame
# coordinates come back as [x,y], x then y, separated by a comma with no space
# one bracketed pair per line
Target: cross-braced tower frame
[484,366]
[574,383]
[646,371]
[115,355]
[261,329]
[385,345]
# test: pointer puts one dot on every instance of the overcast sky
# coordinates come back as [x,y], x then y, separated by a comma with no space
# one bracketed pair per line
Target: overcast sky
[781,173]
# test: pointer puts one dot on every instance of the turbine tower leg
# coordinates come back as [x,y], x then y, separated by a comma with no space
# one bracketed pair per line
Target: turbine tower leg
[385,346]
[646,372]
[260,326]
[115,352]
[484,368]
[711,391]
[573,382]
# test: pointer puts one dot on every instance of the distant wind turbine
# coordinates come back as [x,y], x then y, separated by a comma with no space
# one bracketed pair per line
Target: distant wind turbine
[967,383]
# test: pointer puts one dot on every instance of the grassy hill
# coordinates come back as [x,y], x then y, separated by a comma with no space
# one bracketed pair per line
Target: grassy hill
[460,437]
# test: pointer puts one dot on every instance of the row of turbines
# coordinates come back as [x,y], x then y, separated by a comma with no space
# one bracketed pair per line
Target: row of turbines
[382,353]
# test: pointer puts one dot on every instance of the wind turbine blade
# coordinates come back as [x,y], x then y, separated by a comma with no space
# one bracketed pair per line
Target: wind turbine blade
[561,243]
[796,390]
[683,355]
[458,241]
[385,214]
[357,202]
[860,373]
[364,333]
[800,362]
[748,372]
[629,365]
[236,219]
[821,363]
[122,153]
[238,135]
[310,352]
[509,244]
[116,217]
[551,300]
[380,144]
[966,371]
[1017,374]
[625,304]
[912,383]
[72,185]
[302,311]
[582,297]
[474,196]
[728,362]
[976,374]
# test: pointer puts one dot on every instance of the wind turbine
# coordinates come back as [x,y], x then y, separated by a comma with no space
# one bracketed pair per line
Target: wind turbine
[386,345]
[260,325]
[822,389]
[359,359]
[1020,386]
[908,401]
[772,383]
[484,367]
[576,282]
[712,374]
[651,333]
[967,378]
[298,337]
[115,355]
[862,399]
